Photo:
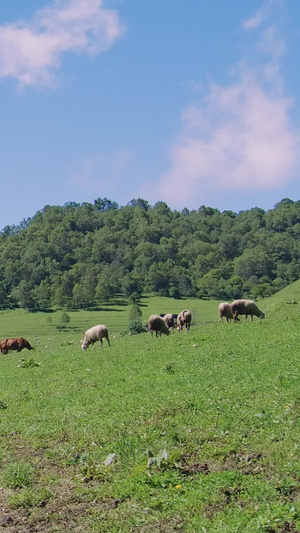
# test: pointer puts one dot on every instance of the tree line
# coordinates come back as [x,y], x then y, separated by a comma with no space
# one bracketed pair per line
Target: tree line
[83,255]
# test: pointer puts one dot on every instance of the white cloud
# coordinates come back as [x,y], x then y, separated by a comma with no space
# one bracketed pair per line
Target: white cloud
[238,137]
[31,51]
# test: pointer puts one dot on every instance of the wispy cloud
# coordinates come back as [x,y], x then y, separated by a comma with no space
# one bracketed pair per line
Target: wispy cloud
[32,51]
[262,14]
[256,20]
[238,137]
[103,173]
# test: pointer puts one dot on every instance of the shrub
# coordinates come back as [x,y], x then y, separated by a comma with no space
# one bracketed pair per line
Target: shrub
[64,321]
[135,324]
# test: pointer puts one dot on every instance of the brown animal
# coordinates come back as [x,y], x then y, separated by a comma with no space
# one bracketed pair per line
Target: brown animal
[225,311]
[245,307]
[156,323]
[184,319]
[14,344]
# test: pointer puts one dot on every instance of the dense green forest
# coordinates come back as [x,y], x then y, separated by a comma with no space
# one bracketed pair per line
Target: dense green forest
[83,255]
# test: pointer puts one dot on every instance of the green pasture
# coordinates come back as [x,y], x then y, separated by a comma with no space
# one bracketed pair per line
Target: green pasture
[204,425]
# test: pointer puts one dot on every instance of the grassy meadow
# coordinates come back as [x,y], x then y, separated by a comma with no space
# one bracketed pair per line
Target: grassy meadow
[199,430]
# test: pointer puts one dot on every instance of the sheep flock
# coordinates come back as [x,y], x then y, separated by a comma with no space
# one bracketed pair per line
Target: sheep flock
[163,324]
[159,324]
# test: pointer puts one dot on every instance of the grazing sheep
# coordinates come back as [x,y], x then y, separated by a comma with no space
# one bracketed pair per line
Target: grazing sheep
[169,320]
[225,311]
[245,307]
[156,323]
[184,319]
[14,344]
[97,333]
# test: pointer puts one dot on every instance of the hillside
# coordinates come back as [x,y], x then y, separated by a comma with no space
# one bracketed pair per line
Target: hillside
[201,427]
[285,304]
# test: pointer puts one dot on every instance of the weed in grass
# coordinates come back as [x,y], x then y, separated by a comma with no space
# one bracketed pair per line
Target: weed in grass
[93,471]
[160,460]
[168,368]
[27,363]
[128,447]
[18,475]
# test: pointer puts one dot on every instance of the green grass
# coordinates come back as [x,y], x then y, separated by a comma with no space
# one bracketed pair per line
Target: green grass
[218,407]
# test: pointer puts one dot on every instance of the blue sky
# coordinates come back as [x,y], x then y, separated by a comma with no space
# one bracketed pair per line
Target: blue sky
[189,102]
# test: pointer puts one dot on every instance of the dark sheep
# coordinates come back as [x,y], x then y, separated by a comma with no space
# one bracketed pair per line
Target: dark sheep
[156,323]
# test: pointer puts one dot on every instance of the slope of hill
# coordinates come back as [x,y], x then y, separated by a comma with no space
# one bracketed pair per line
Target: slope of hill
[195,431]
[284,304]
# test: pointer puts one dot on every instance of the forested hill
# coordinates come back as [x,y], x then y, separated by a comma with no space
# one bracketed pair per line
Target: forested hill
[81,255]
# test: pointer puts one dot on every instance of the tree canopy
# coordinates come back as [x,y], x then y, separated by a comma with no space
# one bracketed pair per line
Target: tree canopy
[82,255]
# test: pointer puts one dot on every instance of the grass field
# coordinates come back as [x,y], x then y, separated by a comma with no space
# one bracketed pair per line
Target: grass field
[204,425]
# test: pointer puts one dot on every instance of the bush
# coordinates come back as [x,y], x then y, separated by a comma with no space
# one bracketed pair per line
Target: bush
[64,321]
[135,325]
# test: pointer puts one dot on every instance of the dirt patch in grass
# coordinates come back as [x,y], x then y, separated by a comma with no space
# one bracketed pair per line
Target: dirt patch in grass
[62,512]
[195,468]
[246,463]
[164,526]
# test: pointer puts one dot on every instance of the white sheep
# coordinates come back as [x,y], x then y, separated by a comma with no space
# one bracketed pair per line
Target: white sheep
[245,307]
[97,333]
[156,323]
[184,319]
[225,310]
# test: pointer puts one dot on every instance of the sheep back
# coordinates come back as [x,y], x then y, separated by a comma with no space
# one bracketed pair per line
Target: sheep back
[169,320]
[157,324]
[246,307]
[225,310]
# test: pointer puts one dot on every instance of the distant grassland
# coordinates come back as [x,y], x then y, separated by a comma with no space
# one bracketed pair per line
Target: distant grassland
[216,410]
[21,323]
